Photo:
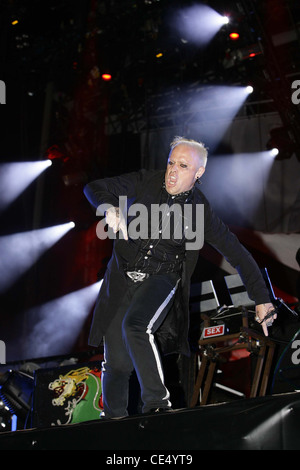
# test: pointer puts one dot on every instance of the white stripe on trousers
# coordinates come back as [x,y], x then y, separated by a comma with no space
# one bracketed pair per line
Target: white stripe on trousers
[151,337]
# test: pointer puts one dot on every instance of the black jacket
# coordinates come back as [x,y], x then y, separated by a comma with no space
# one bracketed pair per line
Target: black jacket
[144,187]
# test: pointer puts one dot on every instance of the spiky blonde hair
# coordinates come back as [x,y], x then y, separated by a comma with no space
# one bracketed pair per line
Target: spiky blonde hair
[199,146]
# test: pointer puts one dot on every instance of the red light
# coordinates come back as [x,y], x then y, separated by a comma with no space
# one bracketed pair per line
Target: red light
[106,76]
[54,152]
[234,36]
[252,54]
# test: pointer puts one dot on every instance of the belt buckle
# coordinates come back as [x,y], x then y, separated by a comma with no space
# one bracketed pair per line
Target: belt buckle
[136,276]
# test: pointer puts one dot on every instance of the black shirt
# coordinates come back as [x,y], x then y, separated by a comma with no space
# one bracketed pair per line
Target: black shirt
[162,249]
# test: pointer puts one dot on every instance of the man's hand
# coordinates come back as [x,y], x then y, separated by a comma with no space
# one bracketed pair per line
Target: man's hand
[265,315]
[116,221]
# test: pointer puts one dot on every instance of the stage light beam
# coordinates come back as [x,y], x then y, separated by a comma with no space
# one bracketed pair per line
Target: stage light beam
[55,325]
[198,23]
[217,106]
[19,251]
[241,179]
[16,177]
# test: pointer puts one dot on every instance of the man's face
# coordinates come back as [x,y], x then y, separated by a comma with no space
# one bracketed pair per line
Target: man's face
[183,168]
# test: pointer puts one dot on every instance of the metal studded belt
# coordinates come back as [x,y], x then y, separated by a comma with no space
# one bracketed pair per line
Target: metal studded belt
[136,276]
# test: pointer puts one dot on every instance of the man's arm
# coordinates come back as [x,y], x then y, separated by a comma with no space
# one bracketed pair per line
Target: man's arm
[107,191]
[217,234]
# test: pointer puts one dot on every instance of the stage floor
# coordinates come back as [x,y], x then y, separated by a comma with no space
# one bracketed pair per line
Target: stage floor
[263,423]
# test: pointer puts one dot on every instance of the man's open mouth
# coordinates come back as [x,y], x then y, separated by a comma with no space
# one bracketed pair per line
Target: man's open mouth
[172,180]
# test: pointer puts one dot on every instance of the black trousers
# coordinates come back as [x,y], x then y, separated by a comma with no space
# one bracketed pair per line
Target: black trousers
[129,344]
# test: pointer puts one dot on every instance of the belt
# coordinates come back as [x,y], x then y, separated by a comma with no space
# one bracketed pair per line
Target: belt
[136,276]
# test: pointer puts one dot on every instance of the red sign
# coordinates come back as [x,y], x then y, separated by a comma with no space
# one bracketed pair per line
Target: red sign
[212,331]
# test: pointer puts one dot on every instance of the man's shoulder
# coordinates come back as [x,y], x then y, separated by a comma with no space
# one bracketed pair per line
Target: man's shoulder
[151,175]
[199,196]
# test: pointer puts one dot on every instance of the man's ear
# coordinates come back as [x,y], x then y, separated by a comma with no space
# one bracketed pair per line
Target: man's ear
[200,172]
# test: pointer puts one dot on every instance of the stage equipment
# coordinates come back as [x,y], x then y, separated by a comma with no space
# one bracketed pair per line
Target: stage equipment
[16,389]
[67,395]
[226,329]
[246,338]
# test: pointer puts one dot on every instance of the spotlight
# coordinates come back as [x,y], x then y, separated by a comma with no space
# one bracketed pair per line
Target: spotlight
[274,152]
[249,89]
[234,36]
[106,77]
[198,23]
[282,140]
